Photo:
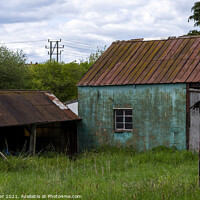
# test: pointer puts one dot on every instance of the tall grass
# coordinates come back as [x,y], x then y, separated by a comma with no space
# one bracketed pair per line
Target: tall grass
[106,173]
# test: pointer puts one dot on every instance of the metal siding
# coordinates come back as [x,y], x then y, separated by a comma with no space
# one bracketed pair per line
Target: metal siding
[125,66]
[175,60]
[117,72]
[114,65]
[159,115]
[143,67]
[101,61]
[133,63]
[137,62]
[29,107]
[189,71]
[194,72]
[98,69]
[197,77]
[177,57]
[194,121]
[108,66]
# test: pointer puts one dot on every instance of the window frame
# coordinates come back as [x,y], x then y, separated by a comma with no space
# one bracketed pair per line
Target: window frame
[124,122]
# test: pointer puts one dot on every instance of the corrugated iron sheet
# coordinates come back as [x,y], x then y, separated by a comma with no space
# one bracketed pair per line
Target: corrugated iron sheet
[174,60]
[30,107]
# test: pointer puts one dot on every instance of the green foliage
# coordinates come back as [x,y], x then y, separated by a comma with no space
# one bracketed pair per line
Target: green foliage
[94,56]
[16,164]
[13,71]
[105,173]
[194,32]
[60,78]
[164,148]
[195,17]
[196,14]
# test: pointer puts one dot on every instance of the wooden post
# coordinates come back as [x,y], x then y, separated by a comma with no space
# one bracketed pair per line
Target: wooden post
[199,164]
[32,140]
[199,149]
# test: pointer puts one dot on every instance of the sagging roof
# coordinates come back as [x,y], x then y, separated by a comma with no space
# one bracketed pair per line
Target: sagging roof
[32,107]
[140,61]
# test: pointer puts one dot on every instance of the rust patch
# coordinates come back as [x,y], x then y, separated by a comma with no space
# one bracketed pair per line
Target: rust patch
[174,60]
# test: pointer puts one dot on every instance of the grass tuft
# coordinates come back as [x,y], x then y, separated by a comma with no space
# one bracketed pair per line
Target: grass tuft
[105,173]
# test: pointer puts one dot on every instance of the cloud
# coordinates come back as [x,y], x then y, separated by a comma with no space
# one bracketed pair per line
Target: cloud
[95,23]
[22,11]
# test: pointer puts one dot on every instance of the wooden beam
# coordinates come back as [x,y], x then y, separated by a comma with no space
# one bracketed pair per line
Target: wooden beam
[187,116]
[32,146]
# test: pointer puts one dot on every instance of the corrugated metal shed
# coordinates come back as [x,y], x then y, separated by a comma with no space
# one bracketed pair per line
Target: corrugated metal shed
[30,107]
[172,60]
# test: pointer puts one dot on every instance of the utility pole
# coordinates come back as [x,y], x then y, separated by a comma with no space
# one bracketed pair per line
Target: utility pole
[54,44]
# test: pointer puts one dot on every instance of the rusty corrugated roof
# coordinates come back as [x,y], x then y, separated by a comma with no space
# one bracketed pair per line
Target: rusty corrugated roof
[30,107]
[172,60]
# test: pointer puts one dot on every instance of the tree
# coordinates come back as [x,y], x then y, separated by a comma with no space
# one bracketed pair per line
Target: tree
[13,71]
[61,78]
[194,32]
[94,56]
[196,14]
[196,17]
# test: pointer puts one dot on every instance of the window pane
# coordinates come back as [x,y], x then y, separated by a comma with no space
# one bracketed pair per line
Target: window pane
[119,125]
[128,126]
[128,119]
[128,112]
[119,119]
[119,112]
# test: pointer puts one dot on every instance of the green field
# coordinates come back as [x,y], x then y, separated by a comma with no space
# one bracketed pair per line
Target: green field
[108,173]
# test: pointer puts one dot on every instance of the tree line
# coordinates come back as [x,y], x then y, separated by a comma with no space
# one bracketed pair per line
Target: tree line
[60,78]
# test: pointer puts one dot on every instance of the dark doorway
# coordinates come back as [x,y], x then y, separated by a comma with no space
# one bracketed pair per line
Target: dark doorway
[58,136]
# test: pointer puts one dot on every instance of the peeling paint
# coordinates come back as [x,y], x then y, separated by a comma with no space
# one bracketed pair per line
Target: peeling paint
[57,101]
[159,115]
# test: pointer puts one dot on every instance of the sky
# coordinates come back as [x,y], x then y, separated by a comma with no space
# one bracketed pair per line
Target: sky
[85,25]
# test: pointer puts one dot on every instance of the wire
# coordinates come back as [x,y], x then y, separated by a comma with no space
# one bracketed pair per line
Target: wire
[67,41]
[72,48]
[22,42]
[79,43]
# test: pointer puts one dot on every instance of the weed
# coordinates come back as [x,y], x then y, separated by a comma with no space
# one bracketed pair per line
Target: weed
[104,173]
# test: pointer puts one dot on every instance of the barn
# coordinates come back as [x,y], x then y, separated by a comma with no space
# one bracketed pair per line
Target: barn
[34,121]
[139,94]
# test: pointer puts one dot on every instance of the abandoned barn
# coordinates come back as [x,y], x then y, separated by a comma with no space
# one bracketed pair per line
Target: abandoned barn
[139,94]
[34,121]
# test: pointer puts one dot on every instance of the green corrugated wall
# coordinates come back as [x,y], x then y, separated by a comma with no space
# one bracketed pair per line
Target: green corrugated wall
[159,115]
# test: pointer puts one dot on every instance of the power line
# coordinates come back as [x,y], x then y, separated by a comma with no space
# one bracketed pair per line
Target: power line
[81,50]
[43,40]
[79,43]
[22,42]
[73,44]
[52,48]
[73,48]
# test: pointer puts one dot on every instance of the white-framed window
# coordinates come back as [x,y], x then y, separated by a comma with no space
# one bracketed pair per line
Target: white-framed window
[123,119]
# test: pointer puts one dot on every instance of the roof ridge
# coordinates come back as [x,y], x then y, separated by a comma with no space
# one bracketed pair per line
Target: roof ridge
[155,39]
[156,61]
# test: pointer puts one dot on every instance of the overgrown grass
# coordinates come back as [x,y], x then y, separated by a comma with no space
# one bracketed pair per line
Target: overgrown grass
[106,173]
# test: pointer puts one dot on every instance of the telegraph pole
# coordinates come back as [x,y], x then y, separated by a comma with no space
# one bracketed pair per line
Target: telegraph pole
[54,44]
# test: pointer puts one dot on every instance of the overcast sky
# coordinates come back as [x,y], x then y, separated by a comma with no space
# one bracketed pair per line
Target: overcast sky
[85,24]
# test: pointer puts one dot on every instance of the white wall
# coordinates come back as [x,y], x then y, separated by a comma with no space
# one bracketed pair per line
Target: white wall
[73,107]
